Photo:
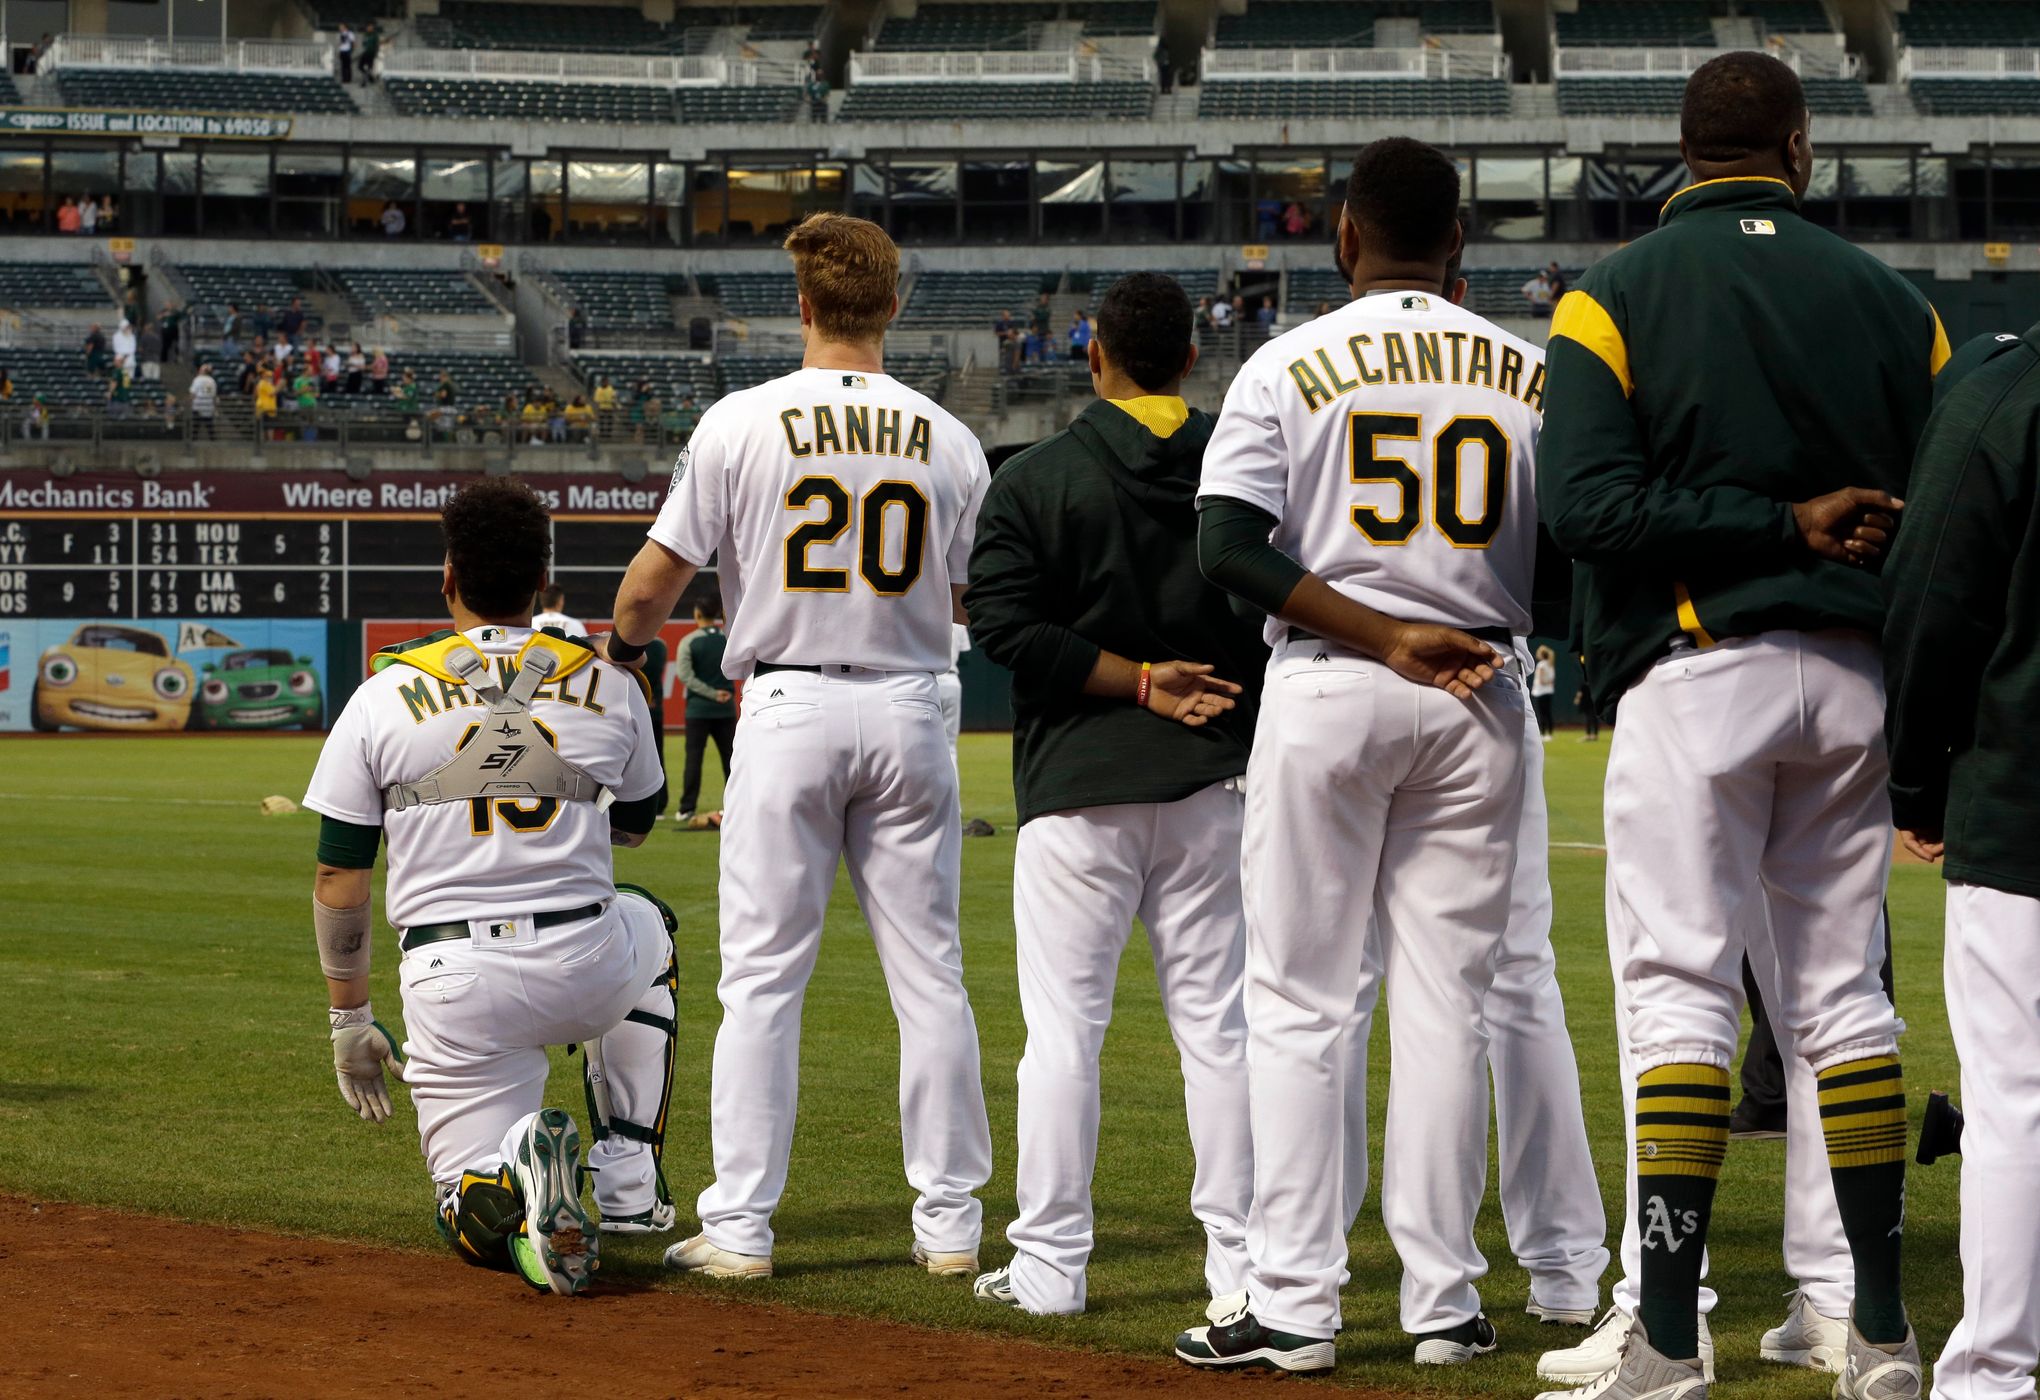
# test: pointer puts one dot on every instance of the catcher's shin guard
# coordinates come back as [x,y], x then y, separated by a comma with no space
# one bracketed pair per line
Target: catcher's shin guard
[480,1216]
[628,1075]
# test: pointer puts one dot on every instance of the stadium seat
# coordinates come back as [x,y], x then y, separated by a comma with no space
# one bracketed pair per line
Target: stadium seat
[1309,286]
[964,26]
[10,96]
[1353,97]
[356,14]
[1976,97]
[623,300]
[973,299]
[210,90]
[752,294]
[1789,16]
[1971,24]
[412,292]
[1344,24]
[59,376]
[615,103]
[766,22]
[738,104]
[1659,97]
[49,284]
[214,285]
[1107,19]
[672,375]
[554,28]
[933,102]
[1637,24]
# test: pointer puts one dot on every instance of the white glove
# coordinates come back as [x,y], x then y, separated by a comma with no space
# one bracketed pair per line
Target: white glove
[361,1050]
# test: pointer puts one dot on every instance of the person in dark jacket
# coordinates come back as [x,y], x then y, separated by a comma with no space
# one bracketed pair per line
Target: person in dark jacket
[1962,671]
[1135,685]
[1732,405]
[711,701]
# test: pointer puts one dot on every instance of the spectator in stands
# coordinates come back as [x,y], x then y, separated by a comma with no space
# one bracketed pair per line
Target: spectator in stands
[230,330]
[407,393]
[605,406]
[1165,75]
[391,219]
[1080,336]
[1239,310]
[304,392]
[1554,274]
[343,48]
[250,371]
[371,45]
[149,351]
[172,324]
[266,390]
[131,308]
[291,322]
[6,387]
[581,420]
[1295,220]
[577,328]
[329,369]
[279,354]
[1006,330]
[460,228]
[1202,318]
[98,358]
[817,95]
[170,413]
[1039,322]
[35,59]
[120,394]
[109,214]
[654,407]
[88,216]
[445,392]
[1537,292]
[263,322]
[1221,314]
[683,420]
[532,416]
[205,397]
[379,373]
[1267,315]
[357,366]
[67,216]
[37,423]
[124,347]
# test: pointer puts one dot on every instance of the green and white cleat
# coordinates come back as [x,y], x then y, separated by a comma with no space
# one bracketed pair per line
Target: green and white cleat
[656,1221]
[996,1287]
[1236,1341]
[558,1250]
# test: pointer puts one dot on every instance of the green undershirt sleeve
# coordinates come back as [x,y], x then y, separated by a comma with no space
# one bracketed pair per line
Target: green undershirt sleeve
[1234,553]
[345,846]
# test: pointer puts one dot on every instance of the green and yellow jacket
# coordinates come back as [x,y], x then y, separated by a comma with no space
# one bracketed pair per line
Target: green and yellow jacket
[1700,381]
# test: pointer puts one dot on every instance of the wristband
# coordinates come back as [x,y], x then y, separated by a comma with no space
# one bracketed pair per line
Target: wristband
[620,650]
[1147,683]
[339,1018]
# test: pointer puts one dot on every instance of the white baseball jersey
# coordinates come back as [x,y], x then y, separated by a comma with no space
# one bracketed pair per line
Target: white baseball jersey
[840,508]
[481,859]
[1394,440]
[572,626]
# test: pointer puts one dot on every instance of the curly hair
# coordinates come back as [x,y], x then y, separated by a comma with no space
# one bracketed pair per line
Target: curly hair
[1740,105]
[499,543]
[1144,325]
[1404,196]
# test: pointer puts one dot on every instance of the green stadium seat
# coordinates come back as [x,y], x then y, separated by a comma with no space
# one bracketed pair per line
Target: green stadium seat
[10,96]
[615,103]
[1971,24]
[1977,97]
[208,90]
[973,299]
[1637,24]
[673,376]
[941,101]
[751,294]
[413,292]
[1262,98]
[1106,19]
[623,300]
[59,376]
[965,26]
[38,285]
[1659,97]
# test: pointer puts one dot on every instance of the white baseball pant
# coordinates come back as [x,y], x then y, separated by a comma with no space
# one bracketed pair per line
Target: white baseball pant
[478,1019]
[1372,797]
[1991,969]
[1080,878]
[847,765]
[949,686]
[1551,1204]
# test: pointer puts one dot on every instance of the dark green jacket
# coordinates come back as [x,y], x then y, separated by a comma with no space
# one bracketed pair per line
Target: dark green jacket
[702,673]
[1088,541]
[1699,382]
[1962,639]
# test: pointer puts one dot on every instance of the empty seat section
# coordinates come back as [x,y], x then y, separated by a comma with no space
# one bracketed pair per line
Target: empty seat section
[749,294]
[1353,97]
[413,292]
[1637,23]
[1977,97]
[59,376]
[1196,282]
[622,103]
[39,284]
[1104,19]
[673,376]
[615,300]
[207,91]
[1789,16]
[738,104]
[973,298]
[478,24]
[964,27]
[1310,286]
[1971,24]
[778,21]
[921,102]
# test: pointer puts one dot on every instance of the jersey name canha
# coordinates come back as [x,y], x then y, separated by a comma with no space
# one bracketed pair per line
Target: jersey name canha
[486,858]
[840,509]
[1395,441]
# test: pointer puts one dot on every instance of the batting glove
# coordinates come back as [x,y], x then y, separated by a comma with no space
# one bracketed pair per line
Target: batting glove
[362,1048]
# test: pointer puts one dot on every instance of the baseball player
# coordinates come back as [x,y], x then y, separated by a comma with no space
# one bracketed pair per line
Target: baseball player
[1086,560]
[1713,457]
[841,507]
[711,702]
[552,613]
[1959,662]
[500,764]
[1386,448]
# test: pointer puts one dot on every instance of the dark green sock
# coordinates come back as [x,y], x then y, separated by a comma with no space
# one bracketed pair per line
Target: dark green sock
[1681,1139]
[1862,1116]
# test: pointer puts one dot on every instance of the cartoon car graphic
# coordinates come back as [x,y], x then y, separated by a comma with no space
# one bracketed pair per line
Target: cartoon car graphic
[266,688]
[110,677]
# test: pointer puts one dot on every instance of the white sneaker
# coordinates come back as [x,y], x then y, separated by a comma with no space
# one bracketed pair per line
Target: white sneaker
[698,1256]
[1560,1317]
[996,1287]
[947,1263]
[1601,1352]
[1871,1372]
[1807,1338]
[1642,1374]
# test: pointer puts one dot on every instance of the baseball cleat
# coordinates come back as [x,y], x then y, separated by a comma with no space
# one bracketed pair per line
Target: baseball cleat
[1642,1374]
[1874,1371]
[1238,1342]
[1808,1339]
[560,1242]
[1756,1123]
[947,1263]
[1560,1317]
[698,1256]
[1601,1353]
[996,1287]
[656,1221]
[1455,1346]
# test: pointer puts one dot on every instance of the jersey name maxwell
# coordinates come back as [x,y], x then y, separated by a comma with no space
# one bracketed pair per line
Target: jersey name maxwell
[1416,357]
[427,696]
[822,430]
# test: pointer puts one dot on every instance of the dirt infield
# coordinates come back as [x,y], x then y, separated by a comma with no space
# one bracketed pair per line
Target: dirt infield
[102,1303]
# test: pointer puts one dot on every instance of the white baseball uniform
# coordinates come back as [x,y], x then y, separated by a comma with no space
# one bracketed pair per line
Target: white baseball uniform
[840,508]
[1551,1203]
[1392,440]
[479,1012]
[572,626]
[949,688]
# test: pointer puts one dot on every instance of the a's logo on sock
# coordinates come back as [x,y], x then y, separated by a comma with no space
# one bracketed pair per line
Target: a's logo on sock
[1898,1231]
[1658,1220]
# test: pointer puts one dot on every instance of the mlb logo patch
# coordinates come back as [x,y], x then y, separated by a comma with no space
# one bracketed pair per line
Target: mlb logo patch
[1416,303]
[1759,226]
[853,381]
[502,930]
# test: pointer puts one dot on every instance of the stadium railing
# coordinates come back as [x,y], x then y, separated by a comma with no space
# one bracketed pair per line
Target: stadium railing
[236,55]
[1968,63]
[679,70]
[1221,65]
[1612,62]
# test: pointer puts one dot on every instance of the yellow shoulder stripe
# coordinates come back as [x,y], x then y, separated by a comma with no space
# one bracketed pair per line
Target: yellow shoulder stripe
[1940,352]
[571,657]
[431,658]
[1581,319]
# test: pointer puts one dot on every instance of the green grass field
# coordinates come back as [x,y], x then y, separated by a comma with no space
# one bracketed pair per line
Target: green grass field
[166,1051]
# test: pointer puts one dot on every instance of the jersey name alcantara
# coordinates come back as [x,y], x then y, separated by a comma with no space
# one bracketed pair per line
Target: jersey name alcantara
[1394,440]
[486,858]
[840,508]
